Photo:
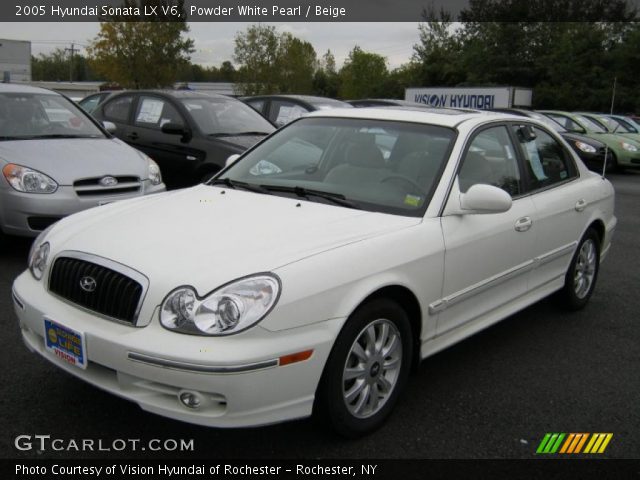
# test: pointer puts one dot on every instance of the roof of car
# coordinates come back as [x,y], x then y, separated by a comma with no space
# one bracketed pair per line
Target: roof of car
[177,93]
[448,117]
[304,98]
[20,88]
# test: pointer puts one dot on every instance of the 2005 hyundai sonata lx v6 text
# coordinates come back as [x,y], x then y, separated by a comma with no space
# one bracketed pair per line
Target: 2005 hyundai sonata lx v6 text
[311,273]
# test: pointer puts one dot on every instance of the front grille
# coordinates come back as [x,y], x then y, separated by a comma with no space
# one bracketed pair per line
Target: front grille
[92,186]
[115,295]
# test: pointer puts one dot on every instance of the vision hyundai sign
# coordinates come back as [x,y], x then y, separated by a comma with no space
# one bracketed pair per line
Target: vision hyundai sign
[483,98]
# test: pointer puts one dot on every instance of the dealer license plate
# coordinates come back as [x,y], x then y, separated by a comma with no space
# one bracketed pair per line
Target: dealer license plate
[65,343]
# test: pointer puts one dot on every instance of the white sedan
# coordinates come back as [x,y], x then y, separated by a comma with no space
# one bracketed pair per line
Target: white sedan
[312,273]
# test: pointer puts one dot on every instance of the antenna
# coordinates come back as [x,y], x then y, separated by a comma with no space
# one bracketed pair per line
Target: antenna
[606,147]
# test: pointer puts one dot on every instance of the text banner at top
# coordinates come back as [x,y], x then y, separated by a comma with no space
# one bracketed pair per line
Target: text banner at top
[308,10]
[220,10]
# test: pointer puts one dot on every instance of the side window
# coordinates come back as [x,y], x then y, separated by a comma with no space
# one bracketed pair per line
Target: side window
[154,112]
[283,112]
[491,159]
[547,162]
[257,105]
[118,109]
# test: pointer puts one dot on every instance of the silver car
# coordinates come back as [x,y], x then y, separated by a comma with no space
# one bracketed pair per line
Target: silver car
[56,160]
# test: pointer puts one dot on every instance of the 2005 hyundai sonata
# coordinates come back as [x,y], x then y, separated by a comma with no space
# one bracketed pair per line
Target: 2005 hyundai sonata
[310,274]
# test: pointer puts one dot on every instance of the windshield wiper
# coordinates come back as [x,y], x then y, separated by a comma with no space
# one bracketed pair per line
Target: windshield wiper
[237,184]
[302,192]
[58,135]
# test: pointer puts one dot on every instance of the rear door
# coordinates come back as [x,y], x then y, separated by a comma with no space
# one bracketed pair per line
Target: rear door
[551,180]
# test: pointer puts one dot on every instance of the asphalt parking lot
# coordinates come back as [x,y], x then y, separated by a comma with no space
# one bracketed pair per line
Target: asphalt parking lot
[494,395]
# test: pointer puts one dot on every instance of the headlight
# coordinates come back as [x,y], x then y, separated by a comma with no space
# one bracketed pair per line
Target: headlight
[39,254]
[585,147]
[629,147]
[154,172]
[27,180]
[228,310]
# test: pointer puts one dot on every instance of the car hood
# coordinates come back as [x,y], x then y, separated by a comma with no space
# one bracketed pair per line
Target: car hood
[582,138]
[69,159]
[614,140]
[206,236]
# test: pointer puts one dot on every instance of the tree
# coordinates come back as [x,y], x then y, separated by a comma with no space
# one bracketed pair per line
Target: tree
[138,54]
[54,66]
[270,62]
[363,75]
[295,65]
[326,81]
[256,52]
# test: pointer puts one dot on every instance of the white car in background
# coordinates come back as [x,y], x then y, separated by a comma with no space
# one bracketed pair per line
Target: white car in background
[56,160]
[309,280]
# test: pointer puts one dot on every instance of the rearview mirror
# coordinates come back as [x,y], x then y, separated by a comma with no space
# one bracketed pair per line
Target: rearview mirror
[110,127]
[231,160]
[481,198]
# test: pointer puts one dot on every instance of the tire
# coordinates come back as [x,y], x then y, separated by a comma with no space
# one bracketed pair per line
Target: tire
[582,274]
[612,163]
[375,348]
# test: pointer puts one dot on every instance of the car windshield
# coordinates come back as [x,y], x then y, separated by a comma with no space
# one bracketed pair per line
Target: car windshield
[226,116]
[375,165]
[548,121]
[35,115]
[617,125]
[592,124]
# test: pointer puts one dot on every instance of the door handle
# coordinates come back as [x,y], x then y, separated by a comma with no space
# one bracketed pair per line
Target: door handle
[581,205]
[132,136]
[523,224]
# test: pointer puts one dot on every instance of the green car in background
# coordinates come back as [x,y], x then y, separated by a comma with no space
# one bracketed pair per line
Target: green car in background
[624,151]
[612,125]
[627,122]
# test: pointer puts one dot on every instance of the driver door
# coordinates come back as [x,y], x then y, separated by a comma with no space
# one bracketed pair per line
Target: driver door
[487,256]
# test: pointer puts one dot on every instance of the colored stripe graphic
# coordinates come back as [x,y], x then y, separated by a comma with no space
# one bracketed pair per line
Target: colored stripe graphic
[574,443]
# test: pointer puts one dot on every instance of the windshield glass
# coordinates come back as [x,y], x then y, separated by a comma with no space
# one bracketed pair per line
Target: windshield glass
[376,165]
[37,115]
[592,124]
[225,116]
[617,125]
[548,121]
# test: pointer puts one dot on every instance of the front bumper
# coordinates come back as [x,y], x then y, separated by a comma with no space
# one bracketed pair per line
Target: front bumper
[17,208]
[238,378]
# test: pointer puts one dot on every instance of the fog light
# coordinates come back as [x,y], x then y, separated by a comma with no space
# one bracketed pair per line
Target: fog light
[190,399]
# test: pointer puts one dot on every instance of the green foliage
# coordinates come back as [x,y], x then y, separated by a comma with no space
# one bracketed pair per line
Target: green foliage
[363,75]
[273,63]
[139,54]
[569,65]
[56,66]
[326,82]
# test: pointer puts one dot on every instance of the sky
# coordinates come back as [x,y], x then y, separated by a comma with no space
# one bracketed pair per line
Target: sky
[214,41]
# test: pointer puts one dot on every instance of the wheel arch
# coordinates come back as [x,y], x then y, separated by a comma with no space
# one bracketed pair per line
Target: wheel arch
[406,300]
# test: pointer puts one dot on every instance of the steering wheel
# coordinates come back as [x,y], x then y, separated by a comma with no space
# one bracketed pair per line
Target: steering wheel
[415,186]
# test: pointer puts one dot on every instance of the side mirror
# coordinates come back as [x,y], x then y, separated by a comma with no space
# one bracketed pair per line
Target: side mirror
[173,129]
[109,127]
[481,198]
[231,160]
